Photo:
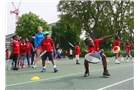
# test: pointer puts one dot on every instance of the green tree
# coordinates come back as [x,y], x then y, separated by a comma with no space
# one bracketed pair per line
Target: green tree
[63,33]
[28,23]
[100,18]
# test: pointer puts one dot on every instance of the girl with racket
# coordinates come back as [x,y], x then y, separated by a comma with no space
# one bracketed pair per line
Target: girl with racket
[93,47]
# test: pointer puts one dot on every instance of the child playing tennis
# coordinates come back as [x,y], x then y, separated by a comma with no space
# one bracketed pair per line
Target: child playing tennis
[77,52]
[93,47]
[48,44]
[127,46]
[28,46]
[116,43]
[15,51]
[23,51]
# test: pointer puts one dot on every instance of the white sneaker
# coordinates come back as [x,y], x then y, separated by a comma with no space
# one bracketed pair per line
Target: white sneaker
[117,62]
[34,66]
[23,66]
[48,62]
[127,60]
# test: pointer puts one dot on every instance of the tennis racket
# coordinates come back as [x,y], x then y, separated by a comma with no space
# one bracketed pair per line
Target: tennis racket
[71,44]
[92,58]
[42,53]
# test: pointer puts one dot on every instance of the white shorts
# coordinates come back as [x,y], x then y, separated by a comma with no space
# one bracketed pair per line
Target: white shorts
[76,57]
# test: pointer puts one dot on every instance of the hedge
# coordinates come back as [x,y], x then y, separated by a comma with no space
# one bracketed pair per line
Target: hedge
[108,53]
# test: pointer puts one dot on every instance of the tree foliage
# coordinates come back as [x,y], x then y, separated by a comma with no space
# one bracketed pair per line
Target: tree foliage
[63,33]
[28,23]
[100,18]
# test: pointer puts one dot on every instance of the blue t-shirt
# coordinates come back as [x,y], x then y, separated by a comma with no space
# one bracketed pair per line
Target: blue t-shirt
[38,38]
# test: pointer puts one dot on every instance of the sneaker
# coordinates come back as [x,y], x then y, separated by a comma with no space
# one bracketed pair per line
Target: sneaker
[106,73]
[34,66]
[48,62]
[55,69]
[23,66]
[86,74]
[127,60]
[43,70]
[77,63]
[117,62]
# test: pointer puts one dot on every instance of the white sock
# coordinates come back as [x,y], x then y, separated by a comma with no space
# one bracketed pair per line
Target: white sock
[54,66]
[44,67]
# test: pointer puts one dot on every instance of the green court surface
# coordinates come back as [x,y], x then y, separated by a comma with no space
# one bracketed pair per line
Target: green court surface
[70,77]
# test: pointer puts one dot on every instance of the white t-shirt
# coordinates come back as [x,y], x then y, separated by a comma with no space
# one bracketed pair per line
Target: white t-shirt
[70,52]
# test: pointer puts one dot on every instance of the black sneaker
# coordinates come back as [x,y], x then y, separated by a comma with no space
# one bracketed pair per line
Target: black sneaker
[106,73]
[77,63]
[86,74]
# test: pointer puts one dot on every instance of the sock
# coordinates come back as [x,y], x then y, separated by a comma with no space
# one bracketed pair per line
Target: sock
[44,67]
[105,68]
[54,66]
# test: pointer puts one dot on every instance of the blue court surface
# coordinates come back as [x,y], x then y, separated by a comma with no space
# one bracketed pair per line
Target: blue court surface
[70,77]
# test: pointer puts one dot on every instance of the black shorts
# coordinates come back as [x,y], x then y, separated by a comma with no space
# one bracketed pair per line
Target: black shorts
[49,55]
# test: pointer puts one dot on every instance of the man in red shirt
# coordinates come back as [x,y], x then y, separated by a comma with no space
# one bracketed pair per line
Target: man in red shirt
[47,45]
[127,46]
[93,47]
[15,50]
[116,43]
[77,52]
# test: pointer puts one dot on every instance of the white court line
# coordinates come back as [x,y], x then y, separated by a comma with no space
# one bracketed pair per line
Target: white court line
[115,83]
[60,76]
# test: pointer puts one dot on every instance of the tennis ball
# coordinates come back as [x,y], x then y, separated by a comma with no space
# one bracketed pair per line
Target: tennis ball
[116,49]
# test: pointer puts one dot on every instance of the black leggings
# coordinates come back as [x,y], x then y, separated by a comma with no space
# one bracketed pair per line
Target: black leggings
[15,58]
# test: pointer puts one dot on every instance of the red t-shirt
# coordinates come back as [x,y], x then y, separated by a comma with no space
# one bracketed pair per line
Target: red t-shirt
[95,48]
[66,53]
[77,50]
[116,43]
[28,46]
[16,47]
[127,47]
[23,48]
[47,44]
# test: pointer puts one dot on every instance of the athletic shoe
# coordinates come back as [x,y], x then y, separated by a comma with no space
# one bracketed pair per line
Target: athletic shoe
[48,62]
[127,60]
[106,73]
[77,63]
[23,66]
[34,66]
[55,69]
[117,62]
[43,70]
[86,74]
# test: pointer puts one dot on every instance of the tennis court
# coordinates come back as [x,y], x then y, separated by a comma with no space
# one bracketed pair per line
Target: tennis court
[70,77]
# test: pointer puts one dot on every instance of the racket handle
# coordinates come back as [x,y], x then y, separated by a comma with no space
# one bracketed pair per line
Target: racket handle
[42,53]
